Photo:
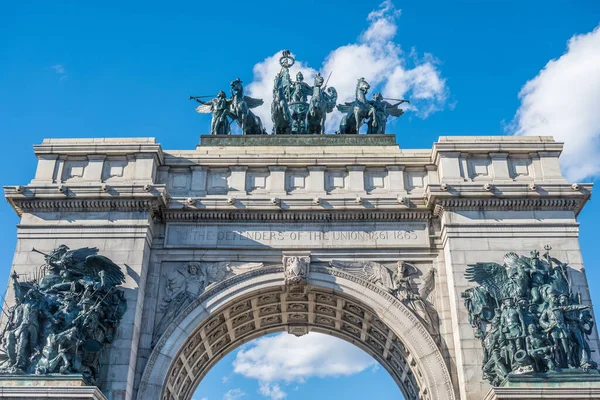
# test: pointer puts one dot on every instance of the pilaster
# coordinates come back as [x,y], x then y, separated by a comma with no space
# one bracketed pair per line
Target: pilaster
[276,181]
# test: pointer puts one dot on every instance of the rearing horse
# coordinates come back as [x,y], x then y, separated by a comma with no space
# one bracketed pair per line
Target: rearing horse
[239,110]
[280,113]
[356,111]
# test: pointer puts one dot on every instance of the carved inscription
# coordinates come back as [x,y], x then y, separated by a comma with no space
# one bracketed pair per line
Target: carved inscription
[311,236]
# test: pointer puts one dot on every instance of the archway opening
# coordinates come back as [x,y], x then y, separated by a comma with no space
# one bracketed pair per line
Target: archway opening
[282,366]
[313,309]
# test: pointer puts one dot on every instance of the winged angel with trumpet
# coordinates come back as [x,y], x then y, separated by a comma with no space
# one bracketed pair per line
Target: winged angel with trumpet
[398,283]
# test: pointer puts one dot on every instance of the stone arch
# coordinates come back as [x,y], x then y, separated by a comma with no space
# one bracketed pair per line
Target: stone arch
[257,303]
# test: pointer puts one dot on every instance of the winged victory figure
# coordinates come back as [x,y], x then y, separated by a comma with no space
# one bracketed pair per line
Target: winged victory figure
[370,271]
[219,108]
[185,284]
[379,112]
[82,265]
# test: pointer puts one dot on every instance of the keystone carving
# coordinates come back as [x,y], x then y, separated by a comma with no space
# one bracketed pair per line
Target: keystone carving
[296,269]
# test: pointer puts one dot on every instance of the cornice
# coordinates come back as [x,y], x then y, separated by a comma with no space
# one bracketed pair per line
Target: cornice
[301,207]
[296,160]
[494,144]
[296,216]
[103,146]
[87,198]
[507,197]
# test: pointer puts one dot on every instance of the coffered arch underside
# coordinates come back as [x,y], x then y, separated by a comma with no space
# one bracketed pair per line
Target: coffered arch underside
[257,303]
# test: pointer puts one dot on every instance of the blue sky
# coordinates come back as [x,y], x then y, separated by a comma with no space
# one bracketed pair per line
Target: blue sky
[123,69]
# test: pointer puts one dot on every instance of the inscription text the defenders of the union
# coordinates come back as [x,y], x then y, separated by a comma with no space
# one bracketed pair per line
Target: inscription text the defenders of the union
[280,235]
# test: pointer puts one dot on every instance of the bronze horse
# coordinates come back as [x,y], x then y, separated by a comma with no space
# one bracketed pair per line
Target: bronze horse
[356,111]
[239,110]
[321,103]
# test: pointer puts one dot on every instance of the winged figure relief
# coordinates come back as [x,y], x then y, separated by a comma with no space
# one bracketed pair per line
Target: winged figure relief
[491,276]
[84,265]
[370,271]
[428,285]
[399,283]
[186,283]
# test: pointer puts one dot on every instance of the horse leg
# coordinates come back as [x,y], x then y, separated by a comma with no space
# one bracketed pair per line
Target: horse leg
[357,120]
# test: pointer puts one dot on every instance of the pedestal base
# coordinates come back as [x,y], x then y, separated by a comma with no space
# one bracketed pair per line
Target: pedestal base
[36,387]
[565,385]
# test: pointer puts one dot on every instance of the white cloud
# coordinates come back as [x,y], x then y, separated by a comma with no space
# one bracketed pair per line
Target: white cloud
[563,101]
[234,394]
[60,70]
[288,358]
[225,379]
[273,392]
[376,57]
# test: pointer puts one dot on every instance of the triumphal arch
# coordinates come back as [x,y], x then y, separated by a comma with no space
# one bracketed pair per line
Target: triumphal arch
[456,266]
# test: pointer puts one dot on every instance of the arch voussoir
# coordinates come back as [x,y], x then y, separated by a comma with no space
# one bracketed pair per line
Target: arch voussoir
[256,303]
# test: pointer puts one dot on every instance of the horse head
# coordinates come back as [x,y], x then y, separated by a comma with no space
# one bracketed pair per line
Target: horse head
[236,86]
[362,87]
[319,80]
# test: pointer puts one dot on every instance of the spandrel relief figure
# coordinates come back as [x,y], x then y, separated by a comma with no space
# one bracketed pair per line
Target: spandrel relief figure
[62,321]
[542,322]
[186,283]
[398,283]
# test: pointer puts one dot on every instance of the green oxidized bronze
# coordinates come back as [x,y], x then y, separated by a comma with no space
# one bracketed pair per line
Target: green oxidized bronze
[237,108]
[291,110]
[379,112]
[527,317]
[373,112]
[63,317]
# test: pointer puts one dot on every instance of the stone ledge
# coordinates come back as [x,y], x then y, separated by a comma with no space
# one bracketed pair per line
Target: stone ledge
[34,387]
[556,393]
[566,385]
[297,140]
